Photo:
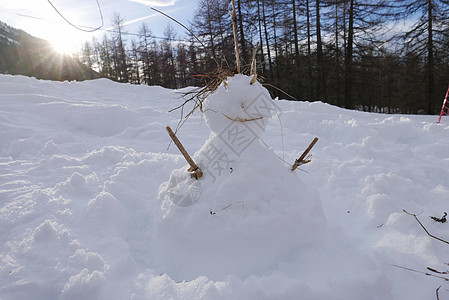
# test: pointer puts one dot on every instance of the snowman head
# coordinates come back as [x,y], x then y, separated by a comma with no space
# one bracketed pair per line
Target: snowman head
[240,106]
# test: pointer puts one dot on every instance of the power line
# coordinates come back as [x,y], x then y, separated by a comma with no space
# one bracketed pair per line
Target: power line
[92,29]
[148,36]
[79,28]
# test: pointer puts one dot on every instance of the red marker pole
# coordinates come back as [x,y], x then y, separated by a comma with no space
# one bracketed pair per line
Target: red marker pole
[444,106]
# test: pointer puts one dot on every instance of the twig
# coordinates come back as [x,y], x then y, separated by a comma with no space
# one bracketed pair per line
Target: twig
[280,126]
[253,71]
[428,233]
[436,271]
[420,272]
[242,120]
[236,41]
[185,27]
[194,170]
[300,160]
[441,220]
[253,60]
[227,206]
[211,81]
[438,289]
[283,160]
[280,90]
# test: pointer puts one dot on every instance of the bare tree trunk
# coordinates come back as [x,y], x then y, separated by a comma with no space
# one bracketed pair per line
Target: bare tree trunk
[144,44]
[242,36]
[344,26]
[275,39]
[430,80]
[135,55]
[309,54]
[260,35]
[122,64]
[270,64]
[295,32]
[211,31]
[337,57]
[320,84]
[336,31]
[348,58]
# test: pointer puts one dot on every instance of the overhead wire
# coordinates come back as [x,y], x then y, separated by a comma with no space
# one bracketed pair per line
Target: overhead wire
[77,27]
[91,29]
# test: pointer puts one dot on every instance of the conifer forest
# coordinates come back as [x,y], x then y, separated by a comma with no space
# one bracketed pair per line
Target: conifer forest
[373,55]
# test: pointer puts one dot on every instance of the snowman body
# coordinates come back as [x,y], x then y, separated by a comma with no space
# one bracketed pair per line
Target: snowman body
[245,195]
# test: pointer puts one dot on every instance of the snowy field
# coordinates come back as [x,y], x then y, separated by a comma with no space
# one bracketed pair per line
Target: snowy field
[93,202]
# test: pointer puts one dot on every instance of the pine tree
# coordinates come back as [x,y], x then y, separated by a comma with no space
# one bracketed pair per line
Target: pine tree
[425,35]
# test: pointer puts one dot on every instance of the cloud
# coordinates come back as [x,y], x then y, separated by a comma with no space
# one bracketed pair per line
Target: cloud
[140,19]
[169,11]
[155,2]
[135,21]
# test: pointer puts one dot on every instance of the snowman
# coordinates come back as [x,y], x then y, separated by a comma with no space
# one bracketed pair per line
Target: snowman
[244,195]
[238,170]
[237,113]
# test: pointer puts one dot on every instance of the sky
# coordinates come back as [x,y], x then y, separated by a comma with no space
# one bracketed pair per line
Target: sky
[40,18]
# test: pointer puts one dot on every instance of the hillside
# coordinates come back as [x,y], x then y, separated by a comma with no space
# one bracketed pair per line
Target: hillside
[23,54]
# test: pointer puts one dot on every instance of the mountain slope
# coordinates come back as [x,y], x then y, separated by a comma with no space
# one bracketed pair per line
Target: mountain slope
[23,54]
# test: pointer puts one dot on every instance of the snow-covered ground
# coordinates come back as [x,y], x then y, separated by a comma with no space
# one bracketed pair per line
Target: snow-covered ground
[93,204]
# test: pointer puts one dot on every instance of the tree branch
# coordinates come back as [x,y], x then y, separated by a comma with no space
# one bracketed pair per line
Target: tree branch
[428,233]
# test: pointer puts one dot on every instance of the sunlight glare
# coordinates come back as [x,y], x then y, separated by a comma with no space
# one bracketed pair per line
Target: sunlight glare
[65,40]
[64,45]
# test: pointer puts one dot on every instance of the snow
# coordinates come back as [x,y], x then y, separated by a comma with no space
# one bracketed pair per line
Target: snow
[93,205]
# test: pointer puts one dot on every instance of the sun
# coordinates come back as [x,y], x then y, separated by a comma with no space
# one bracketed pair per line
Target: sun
[64,45]
[64,40]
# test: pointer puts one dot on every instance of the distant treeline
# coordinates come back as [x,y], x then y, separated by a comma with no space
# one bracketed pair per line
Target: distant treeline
[373,55]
